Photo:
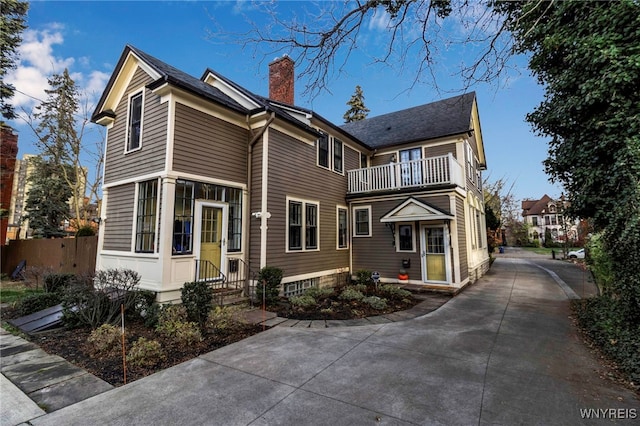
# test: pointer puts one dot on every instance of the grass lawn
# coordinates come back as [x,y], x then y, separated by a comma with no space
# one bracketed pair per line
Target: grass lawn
[12,291]
[545,250]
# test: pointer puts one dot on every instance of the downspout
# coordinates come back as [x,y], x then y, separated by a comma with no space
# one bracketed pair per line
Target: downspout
[247,209]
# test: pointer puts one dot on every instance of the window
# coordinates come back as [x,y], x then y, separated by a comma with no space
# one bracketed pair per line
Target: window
[363,161]
[534,221]
[183,218]
[342,228]
[411,168]
[547,220]
[323,150]
[331,153]
[337,155]
[405,237]
[470,160]
[303,225]
[146,216]
[134,131]
[362,221]
[186,194]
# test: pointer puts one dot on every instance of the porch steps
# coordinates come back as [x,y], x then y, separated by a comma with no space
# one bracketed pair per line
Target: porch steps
[229,296]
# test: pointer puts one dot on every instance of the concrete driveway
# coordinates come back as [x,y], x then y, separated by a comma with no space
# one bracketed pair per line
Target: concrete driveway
[502,352]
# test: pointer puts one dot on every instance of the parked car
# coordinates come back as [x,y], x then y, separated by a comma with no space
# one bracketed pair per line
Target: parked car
[576,254]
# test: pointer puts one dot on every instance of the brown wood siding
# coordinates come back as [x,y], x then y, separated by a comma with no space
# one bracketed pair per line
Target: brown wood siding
[380,159]
[119,224]
[151,157]
[438,150]
[293,172]
[378,251]
[208,146]
[462,239]
[255,200]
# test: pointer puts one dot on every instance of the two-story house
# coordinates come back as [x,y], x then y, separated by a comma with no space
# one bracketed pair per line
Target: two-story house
[204,179]
[546,214]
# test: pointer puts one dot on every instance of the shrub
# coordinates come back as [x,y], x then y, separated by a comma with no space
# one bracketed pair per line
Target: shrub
[363,277]
[104,340]
[375,302]
[196,298]
[318,293]
[271,276]
[37,302]
[144,304]
[173,323]
[97,300]
[56,283]
[303,301]
[599,262]
[86,231]
[145,353]
[394,292]
[350,293]
[600,319]
[224,320]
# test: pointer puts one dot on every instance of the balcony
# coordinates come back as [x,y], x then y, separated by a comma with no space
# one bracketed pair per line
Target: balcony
[423,173]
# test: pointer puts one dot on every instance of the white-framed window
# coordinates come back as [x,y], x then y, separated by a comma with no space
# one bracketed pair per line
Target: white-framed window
[362,221]
[405,241]
[470,160]
[323,150]
[342,231]
[134,122]
[364,161]
[302,225]
[338,155]
[146,216]
[331,153]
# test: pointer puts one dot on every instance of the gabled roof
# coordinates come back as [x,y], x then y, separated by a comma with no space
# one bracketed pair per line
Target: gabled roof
[165,74]
[430,121]
[413,209]
[535,207]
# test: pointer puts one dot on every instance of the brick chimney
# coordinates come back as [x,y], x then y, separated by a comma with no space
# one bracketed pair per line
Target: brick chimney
[8,154]
[281,80]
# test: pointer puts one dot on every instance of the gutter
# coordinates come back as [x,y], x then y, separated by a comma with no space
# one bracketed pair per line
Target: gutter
[247,210]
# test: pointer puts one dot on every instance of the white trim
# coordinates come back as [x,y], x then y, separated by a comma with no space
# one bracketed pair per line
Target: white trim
[102,227]
[197,228]
[134,225]
[183,176]
[455,246]
[165,236]
[447,254]
[346,209]
[138,91]
[117,253]
[333,157]
[413,237]
[135,215]
[316,274]
[303,235]
[171,123]
[213,81]
[353,215]
[265,191]
[423,212]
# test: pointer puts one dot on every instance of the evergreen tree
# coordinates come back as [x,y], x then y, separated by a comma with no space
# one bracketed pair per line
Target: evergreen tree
[357,111]
[12,17]
[47,201]
[59,143]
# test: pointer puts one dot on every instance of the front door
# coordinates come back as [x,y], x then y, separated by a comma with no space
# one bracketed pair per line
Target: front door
[210,239]
[435,263]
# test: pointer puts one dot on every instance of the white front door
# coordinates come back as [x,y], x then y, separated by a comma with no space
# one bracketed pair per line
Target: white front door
[210,238]
[436,263]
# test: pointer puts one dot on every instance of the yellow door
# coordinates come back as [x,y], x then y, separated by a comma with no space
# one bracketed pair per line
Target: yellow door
[210,239]
[436,262]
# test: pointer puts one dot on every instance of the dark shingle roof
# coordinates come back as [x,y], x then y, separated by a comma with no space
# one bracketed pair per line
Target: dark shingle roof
[437,119]
[169,74]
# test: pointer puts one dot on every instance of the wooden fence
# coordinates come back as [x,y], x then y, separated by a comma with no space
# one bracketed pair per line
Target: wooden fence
[60,255]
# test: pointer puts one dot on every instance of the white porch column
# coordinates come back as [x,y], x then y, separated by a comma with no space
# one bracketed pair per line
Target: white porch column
[165,239]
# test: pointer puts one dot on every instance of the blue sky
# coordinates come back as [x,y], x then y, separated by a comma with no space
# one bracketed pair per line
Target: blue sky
[88,37]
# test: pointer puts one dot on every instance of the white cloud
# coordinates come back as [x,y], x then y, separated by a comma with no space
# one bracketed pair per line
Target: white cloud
[379,21]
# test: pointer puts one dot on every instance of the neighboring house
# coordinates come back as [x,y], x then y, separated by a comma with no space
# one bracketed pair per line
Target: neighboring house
[546,214]
[203,177]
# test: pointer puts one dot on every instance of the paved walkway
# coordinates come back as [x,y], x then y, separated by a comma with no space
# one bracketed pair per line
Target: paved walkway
[501,352]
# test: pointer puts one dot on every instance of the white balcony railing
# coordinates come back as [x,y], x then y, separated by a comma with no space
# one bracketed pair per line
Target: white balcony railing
[432,171]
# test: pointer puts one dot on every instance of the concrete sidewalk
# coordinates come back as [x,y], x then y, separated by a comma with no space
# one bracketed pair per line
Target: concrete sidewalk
[502,352]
